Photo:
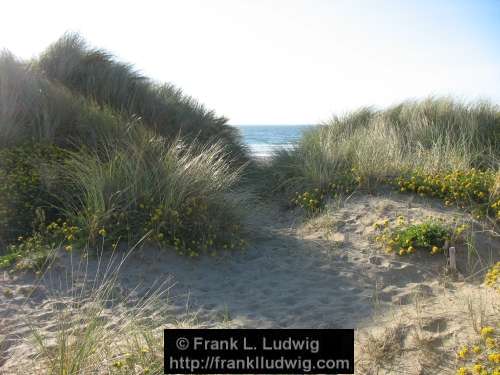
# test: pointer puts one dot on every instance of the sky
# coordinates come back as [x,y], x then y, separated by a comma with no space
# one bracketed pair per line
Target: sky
[283,61]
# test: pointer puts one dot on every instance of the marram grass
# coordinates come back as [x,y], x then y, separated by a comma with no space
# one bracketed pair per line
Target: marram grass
[420,140]
[98,76]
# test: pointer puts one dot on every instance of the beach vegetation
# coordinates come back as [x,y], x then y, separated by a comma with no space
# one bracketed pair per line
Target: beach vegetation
[437,147]
[482,355]
[94,154]
[403,238]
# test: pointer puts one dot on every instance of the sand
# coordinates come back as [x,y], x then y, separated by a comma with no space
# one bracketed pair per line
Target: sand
[326,273]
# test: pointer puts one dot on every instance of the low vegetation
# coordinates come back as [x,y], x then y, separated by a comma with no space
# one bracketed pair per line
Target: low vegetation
[432,235]
[312,201]
[492,278]
[472,189]
[177,195]
[482,357]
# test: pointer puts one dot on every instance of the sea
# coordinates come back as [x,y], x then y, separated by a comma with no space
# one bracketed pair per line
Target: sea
[263,140]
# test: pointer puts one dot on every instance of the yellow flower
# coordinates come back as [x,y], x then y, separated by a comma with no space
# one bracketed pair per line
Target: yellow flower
[102,232]
[494,357]
[462,353]
[462,371]
[476,349]
[487,331]
[68,248]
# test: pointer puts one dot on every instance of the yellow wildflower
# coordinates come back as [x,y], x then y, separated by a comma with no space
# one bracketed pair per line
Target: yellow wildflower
[487,331]
[462,353]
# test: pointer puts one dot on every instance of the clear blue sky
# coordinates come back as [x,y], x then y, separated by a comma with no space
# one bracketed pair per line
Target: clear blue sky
[278,62]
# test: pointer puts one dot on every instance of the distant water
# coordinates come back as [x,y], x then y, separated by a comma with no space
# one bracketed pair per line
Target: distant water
[264,139]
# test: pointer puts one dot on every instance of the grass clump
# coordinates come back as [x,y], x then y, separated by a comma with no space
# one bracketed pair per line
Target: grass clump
[34,109]
[431,235]
[108,156]
[176,194]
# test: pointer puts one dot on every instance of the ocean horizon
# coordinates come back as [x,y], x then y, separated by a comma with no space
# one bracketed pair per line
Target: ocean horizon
[263,140]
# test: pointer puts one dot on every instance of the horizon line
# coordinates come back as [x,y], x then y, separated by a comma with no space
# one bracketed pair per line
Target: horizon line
[276,124]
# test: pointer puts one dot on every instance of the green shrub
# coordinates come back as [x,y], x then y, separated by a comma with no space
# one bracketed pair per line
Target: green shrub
[25,177]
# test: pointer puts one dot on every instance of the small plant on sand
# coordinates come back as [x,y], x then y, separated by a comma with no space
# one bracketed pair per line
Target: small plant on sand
[403,238]
[472,189]
[481,357]
[309,201]
[492,278]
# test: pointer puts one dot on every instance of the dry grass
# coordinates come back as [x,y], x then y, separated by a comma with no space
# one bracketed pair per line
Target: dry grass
[92,326]
[424,337]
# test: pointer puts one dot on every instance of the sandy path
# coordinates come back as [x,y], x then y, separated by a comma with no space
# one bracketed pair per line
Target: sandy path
[290,276]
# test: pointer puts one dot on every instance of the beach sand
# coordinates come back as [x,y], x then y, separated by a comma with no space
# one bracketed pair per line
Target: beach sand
[326,273]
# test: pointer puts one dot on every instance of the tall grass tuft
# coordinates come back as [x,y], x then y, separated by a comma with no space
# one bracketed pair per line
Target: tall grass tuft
[183,195]
[95,74]
[34,109]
